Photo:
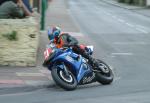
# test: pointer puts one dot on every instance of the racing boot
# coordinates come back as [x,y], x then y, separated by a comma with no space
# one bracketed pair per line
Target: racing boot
[93,62]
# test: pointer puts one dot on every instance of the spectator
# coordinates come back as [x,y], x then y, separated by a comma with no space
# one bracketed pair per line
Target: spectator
[13,9]
[27,4]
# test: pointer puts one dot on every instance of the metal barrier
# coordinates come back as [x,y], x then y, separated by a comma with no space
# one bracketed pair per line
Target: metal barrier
[44,6]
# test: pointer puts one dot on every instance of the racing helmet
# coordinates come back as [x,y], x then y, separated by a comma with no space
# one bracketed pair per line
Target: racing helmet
[54,32]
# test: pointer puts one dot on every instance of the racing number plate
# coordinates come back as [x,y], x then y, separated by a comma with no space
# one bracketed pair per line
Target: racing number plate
[47,52]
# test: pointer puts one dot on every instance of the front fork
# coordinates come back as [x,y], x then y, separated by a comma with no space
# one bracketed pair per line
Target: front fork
[65,69]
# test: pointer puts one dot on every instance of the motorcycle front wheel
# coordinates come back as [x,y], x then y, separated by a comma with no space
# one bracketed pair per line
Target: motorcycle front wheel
[106,75]
[67,82]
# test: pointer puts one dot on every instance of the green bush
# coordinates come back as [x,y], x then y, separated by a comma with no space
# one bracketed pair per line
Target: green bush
[129,1]
[142,2]
[136,2]
[121,1]
[11,36]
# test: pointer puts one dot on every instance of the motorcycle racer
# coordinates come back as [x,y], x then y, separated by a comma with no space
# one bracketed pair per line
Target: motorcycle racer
[65,39]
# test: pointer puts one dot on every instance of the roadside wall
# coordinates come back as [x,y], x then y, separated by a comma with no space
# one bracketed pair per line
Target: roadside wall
[23,51]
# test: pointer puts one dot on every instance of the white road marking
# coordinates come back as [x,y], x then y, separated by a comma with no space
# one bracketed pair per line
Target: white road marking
[115,17]
[137,27]
[141,30]
[130,43]
[76,34]
[140,26]
[121,20]
[131,25]
[121,54]
[107,13]
[29,74]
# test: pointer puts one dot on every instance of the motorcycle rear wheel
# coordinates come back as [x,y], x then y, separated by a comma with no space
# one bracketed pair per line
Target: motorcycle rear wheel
[105,77]
[66,82]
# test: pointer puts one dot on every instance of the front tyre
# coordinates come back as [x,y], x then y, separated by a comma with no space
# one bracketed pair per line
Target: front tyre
[106,76]
[65,82]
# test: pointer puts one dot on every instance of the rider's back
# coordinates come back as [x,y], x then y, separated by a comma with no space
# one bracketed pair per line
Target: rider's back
[65,39]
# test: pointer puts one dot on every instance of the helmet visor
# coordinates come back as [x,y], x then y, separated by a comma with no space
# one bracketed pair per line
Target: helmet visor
[50,34]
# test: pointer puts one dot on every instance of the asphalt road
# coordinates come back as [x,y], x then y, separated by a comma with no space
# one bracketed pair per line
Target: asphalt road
[121,38]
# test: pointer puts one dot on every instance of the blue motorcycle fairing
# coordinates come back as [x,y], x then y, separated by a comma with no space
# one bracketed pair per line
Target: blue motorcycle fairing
[78,64]
[61,66]
[84,69]
[67,57]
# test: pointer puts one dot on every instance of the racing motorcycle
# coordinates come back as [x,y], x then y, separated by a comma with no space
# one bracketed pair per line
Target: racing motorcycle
[69,69]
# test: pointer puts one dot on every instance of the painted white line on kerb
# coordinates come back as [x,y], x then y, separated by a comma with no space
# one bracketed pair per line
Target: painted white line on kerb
[131,25]
[44,71]
[121,20]
[141,30]
[121,54]
[15,94]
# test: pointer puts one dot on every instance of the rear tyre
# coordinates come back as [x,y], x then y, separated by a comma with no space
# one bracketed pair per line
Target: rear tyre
[66,82]
[106,75]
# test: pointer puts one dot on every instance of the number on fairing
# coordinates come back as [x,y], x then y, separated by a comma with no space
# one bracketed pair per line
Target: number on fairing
[47,52]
